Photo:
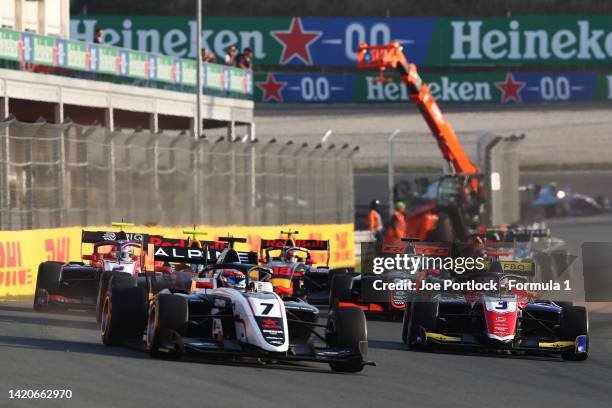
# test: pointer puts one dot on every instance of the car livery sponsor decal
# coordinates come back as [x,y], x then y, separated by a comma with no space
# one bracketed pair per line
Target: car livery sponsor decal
[272,329]
[500,316]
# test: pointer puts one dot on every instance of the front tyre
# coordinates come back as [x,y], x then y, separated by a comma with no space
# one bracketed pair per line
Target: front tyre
[340,289]
[421,314]
[47,280]
[167,322]
[346,329]
[575,323]
[123,314]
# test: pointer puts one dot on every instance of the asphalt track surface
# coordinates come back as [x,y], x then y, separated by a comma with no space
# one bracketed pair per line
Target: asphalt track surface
[53,351]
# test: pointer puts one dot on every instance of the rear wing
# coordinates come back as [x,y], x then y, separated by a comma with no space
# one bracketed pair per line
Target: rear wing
[178,254]
[160,241]
[248,257]
[93,237]
[520,234]
[415,248]
[313,244]
[518,268]
[275,243]
[199,256]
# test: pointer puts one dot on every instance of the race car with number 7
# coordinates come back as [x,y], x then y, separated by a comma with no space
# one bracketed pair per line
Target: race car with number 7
[233,313]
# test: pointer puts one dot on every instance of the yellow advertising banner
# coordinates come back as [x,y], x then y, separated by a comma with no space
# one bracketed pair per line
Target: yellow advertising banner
[22,251]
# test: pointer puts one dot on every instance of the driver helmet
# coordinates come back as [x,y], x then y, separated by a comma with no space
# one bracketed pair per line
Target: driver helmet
[233,279]
[197,268]
[126,253]
[292,256]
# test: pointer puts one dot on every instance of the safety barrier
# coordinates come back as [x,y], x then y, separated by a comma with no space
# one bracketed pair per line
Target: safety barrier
[22,251]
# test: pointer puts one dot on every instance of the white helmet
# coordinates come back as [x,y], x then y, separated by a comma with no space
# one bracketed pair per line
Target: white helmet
[126,253]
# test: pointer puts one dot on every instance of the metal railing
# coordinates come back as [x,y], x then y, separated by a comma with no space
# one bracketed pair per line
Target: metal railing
[67,175]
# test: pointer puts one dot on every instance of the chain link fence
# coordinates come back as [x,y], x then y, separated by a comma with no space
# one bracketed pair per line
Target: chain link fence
[68,175]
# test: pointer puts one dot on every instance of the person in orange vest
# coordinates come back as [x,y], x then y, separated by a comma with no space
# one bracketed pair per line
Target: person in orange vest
[374,222]
[397,225]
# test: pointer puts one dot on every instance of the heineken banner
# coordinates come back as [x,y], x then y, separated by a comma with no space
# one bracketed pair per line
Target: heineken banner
[532,40]
[81,56]
[490,87]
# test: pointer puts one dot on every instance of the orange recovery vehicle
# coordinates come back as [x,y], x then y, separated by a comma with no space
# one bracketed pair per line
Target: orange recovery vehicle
[459,194]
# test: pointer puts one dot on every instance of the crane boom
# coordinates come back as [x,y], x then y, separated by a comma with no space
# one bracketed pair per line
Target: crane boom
[391,55]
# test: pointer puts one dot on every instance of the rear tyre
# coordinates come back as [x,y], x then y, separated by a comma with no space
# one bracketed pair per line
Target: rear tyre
[123,314]
[423,313]
[340,290]
[346,328]
[119,279]
[102,289]
[166,323]
[575,323]
[405,321]
[47,280]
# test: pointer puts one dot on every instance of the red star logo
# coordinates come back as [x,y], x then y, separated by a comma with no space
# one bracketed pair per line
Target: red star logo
[511,90]
[272,89]
[296,42]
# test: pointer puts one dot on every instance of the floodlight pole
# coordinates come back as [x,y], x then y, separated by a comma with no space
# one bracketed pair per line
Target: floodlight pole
[391,170]
[198,127]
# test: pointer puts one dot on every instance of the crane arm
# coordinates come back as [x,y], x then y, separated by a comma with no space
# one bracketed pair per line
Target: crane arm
[382,57]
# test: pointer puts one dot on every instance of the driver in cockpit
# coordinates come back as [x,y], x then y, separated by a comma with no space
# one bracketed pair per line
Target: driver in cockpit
[232,279]
[126,254]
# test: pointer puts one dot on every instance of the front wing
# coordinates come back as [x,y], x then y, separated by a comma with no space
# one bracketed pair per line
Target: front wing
[528,345]
[234,349]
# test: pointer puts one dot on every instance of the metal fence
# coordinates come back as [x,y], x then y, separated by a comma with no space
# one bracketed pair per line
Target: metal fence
[67,175]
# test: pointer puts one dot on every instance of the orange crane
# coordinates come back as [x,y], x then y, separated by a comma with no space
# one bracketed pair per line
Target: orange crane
[441,221]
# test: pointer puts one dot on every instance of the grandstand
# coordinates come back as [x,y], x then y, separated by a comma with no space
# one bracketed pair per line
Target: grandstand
[43,73]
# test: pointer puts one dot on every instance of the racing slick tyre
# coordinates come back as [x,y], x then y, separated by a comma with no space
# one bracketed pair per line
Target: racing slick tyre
[103,286]
[123,314]
[575,323]
[48,279]
[340,290]
[346,328]
[167,320]
[422,313]
[405,321]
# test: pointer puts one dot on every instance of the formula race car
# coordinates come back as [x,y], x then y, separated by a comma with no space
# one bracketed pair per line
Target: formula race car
[76,284]
[553,202]
[232,312]
[293,265]
[115,259]
[503,318]
[522,243]
[378,293]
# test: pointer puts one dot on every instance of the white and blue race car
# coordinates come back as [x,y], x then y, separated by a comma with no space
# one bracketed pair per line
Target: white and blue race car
[233,312]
